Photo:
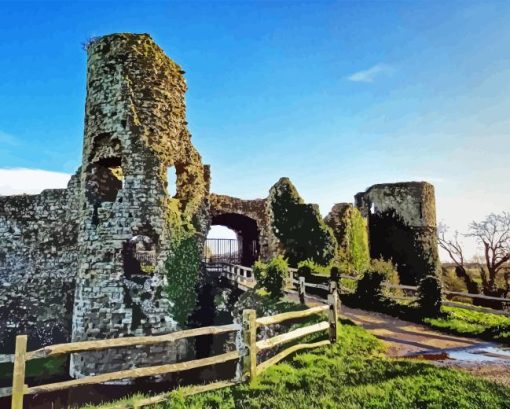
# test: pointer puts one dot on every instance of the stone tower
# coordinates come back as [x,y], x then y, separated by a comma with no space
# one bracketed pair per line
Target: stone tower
[135,130]
[402,227]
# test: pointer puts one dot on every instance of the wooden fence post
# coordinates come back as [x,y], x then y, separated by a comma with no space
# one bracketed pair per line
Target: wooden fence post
[18,375]
[302,289]
[250,339]
[290,283]
[333,315]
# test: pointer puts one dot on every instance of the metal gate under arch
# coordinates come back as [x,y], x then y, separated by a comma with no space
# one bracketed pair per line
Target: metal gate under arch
[222,251]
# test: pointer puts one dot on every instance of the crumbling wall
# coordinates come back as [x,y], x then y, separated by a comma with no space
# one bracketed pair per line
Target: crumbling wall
[38,266]
[351,233]
[402,227]
[299,226]
[135,128]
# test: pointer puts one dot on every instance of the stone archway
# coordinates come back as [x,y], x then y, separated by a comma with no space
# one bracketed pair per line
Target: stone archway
[250,220]
[247,233]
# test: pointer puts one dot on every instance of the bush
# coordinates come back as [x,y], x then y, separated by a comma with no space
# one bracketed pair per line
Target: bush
[308,268]
[390,273]
[429,296]
[272,276]
[370,292]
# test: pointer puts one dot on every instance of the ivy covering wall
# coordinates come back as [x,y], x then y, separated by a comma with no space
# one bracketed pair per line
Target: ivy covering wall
[350,229]
[299,226]
[183,263]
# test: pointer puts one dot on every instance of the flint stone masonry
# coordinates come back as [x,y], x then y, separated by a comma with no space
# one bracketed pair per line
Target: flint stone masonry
[135,128]
[402,227]
[38,263]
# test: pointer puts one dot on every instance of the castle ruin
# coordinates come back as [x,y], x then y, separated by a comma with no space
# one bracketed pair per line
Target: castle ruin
[88,262]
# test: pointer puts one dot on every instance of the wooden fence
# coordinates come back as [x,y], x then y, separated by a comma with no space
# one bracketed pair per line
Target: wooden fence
[243,277]
[301,285]
[246,356]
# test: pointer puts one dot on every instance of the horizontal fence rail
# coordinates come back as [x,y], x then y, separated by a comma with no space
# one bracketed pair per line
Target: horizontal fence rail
[97,345]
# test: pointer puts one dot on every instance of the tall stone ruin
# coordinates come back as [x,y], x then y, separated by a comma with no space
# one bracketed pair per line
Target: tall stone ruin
[402,227]
[135,128]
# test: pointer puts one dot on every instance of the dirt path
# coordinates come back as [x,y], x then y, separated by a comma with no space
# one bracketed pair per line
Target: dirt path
[408,340]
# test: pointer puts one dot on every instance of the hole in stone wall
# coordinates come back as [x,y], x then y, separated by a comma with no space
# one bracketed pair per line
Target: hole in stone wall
[139,256]
[171,179]
[104,180]
[372,208]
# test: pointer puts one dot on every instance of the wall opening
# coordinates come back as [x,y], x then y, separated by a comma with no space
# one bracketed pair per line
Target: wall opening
[105,180]
[171,180]
[245,246]
[139,256]
[223,245]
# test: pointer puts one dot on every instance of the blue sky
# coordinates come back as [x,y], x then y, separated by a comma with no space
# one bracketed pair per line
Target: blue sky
[335,95]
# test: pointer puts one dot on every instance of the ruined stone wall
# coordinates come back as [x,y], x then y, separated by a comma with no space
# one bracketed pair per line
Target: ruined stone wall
[402,227]
[257,210]
[38,266]
[135,128]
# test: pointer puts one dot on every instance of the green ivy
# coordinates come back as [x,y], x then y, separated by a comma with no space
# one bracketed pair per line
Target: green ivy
[358,255]
[182,269]
[299,226]
[183,265]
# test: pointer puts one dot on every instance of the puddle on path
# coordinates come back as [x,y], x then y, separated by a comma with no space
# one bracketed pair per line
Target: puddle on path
[479,353]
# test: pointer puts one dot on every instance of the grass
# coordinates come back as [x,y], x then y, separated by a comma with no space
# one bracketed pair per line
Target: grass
[38,368]
[352,374]
[472,323]
[454,320]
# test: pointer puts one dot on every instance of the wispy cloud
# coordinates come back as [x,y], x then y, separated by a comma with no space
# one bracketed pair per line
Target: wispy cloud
[370,74]
[30,181]
[7,139]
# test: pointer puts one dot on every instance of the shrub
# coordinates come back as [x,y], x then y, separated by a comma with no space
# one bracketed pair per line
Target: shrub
[370,291]
[390,273]
[259,270]
[429,296]
[308,268]
[272,276]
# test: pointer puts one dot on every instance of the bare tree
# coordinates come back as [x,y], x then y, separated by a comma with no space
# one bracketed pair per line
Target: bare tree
[453,248]
[493,233]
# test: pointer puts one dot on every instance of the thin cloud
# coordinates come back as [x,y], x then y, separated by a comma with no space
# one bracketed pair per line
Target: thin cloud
[7,139]
[30,181]
[371,73]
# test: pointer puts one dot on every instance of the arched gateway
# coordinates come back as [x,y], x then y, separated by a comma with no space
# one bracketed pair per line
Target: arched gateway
[249,220]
